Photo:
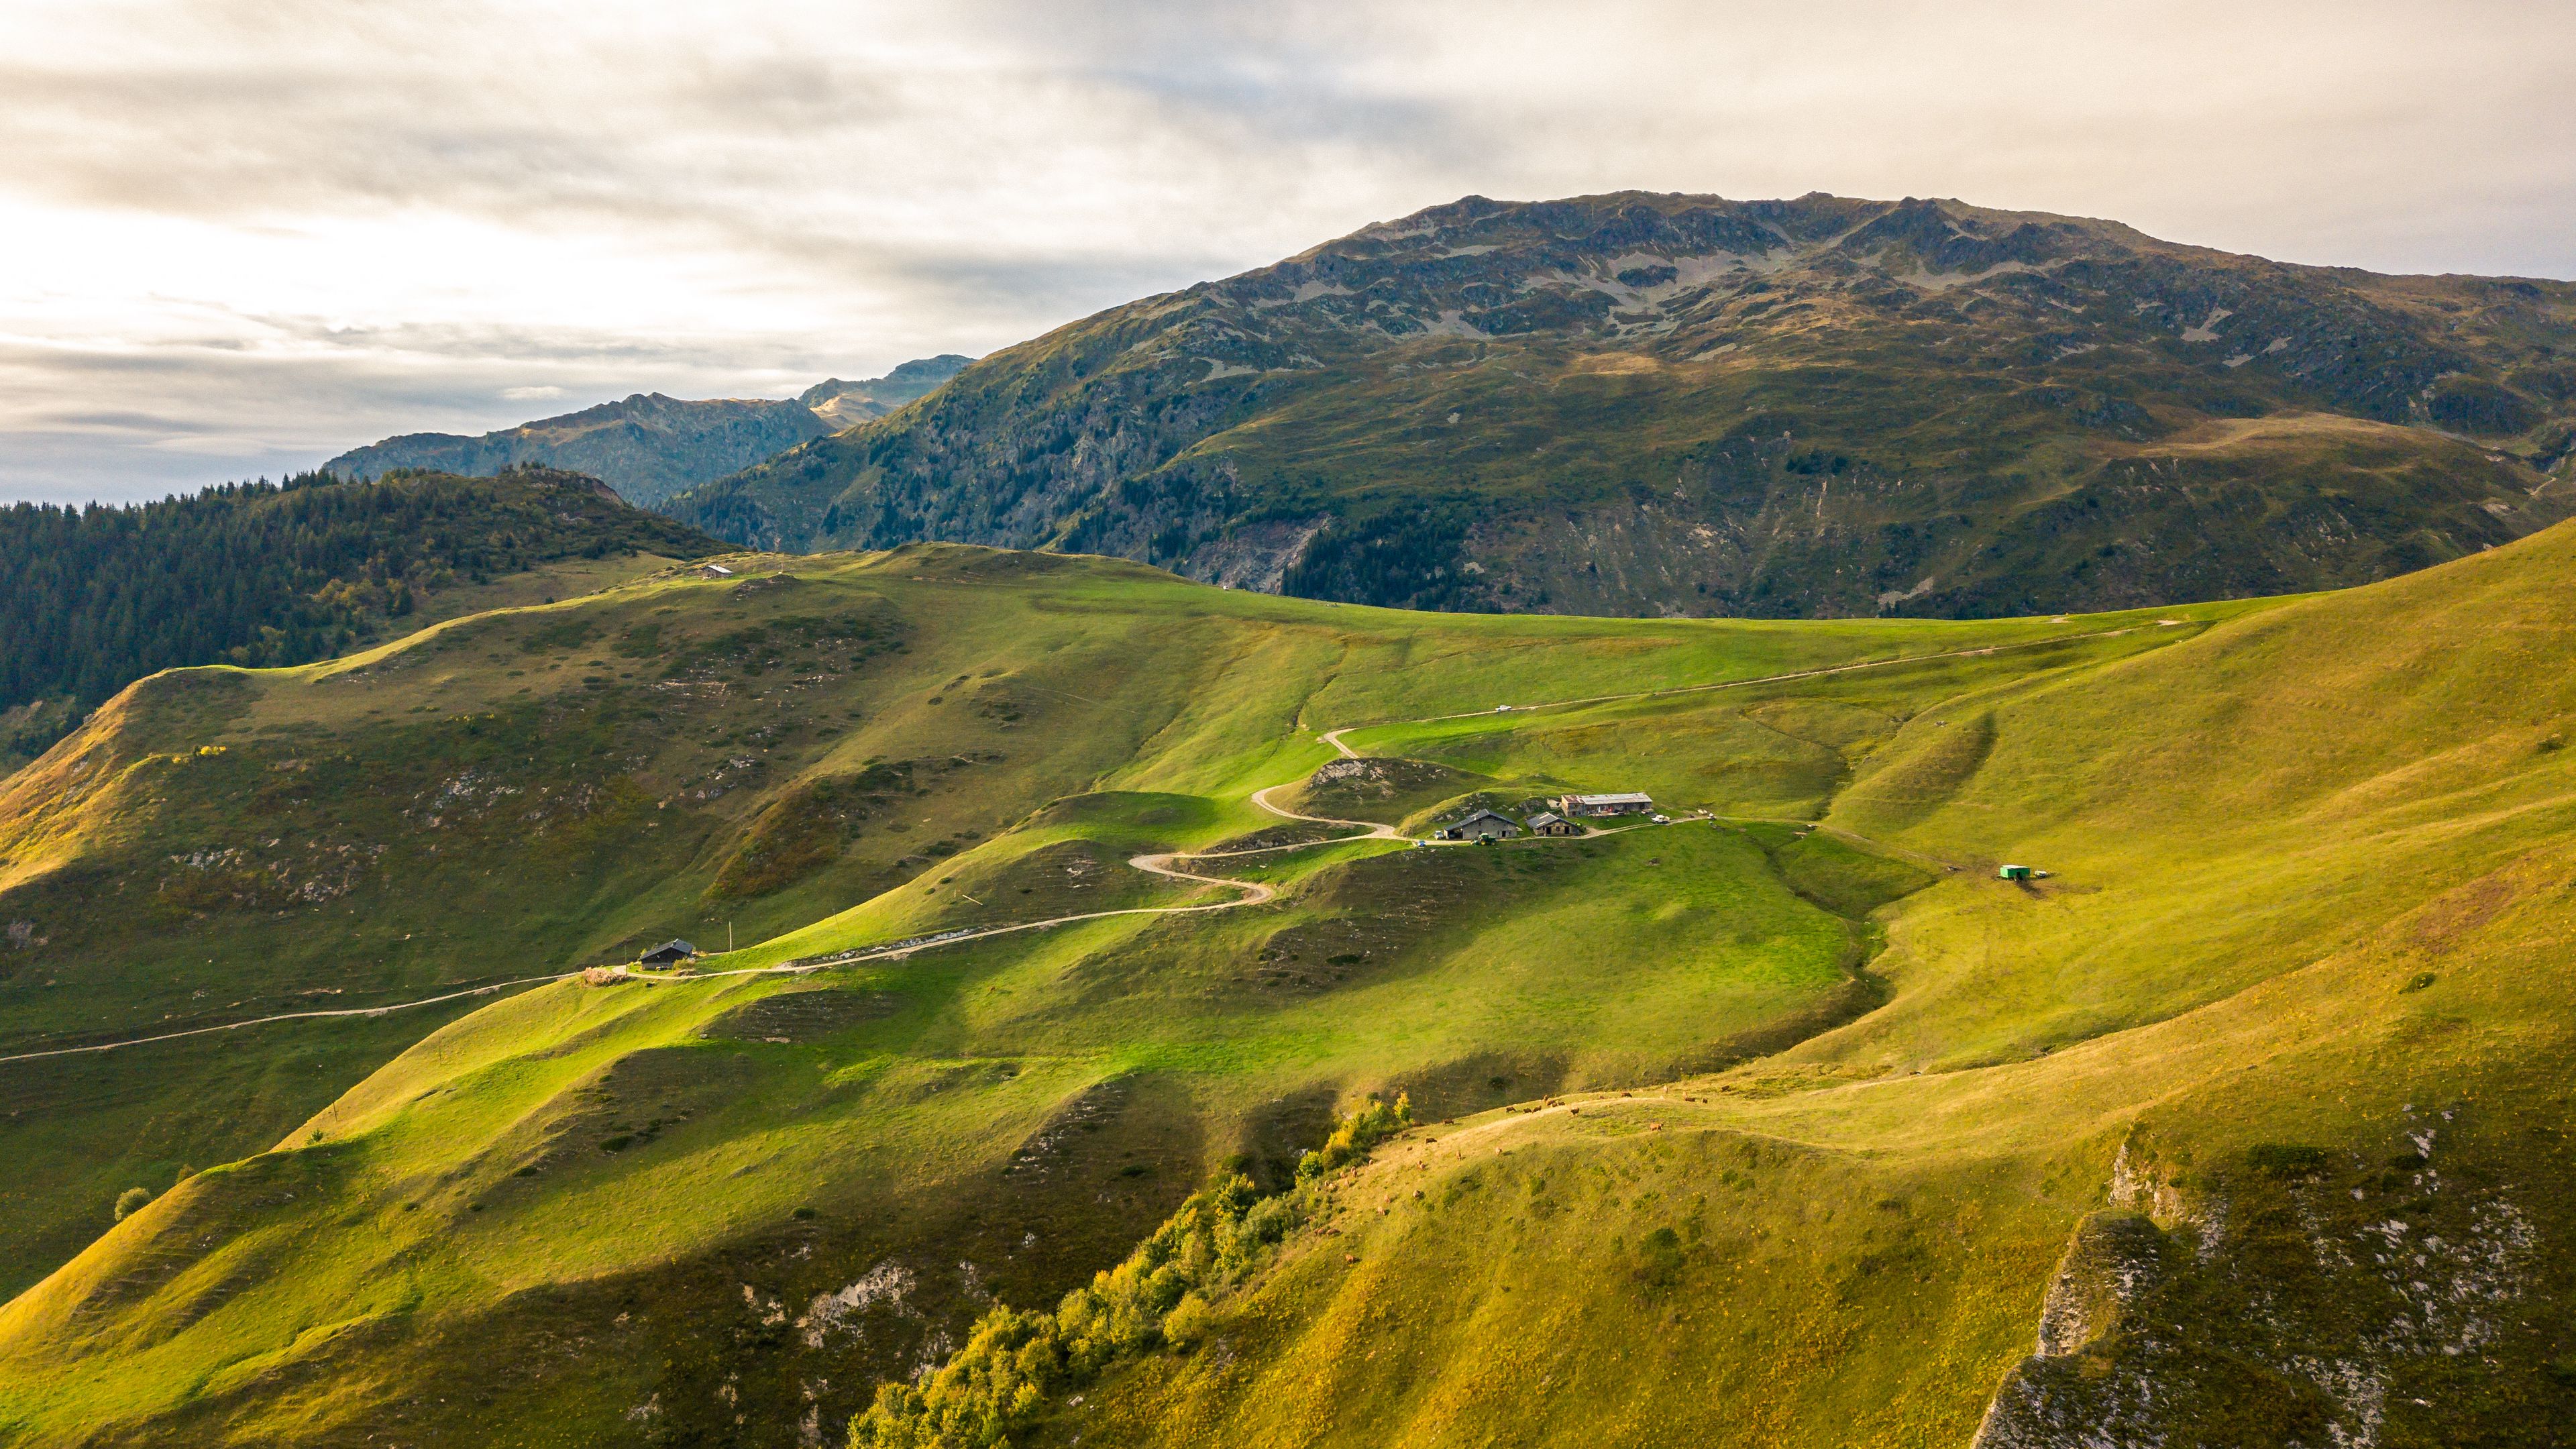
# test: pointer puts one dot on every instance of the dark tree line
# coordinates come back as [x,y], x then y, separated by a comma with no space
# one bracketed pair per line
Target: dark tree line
[94,598]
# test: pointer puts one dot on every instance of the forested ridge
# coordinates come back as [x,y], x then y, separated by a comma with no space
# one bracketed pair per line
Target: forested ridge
[263,573]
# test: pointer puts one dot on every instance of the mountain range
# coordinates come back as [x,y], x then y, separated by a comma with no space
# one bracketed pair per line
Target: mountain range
[648,446]
[1678,405]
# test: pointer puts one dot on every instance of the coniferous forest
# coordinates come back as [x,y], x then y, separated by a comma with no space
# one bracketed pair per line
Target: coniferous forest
[263,573]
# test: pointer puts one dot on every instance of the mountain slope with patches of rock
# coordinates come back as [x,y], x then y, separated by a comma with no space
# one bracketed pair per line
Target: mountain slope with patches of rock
[1658,404]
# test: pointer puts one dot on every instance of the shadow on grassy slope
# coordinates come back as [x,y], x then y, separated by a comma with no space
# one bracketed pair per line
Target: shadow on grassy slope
[1025,1107]
[2295,997]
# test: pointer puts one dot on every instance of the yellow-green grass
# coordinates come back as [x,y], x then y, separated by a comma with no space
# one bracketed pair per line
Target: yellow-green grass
[1757,748]
[2239,807]
[1202,714]
[307,768]
[2310,909]
[561,578]
[415,1214]
[1860,1263]
[1129,712]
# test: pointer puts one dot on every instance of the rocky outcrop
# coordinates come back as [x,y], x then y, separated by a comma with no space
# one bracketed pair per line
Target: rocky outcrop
[2113,1261]
[2301,1297]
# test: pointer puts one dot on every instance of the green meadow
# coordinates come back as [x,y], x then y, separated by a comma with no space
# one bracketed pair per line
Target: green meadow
[2285,1025]
[1771,1124]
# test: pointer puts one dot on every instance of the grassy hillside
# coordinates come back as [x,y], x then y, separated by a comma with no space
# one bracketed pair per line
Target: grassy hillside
[1670,405]
[92,599]
[835,754]
[2252,1117]
[1784,1122]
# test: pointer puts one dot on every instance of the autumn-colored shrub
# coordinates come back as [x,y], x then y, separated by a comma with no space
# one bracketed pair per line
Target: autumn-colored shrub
[1164,1293]
[1355,1135]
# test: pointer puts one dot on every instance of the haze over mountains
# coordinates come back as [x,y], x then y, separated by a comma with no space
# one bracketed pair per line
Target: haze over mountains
[648,446]
[846,404]
[1662,404]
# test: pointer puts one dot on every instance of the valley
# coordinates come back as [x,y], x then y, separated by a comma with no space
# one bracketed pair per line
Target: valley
[1661,1074]
[1642,808]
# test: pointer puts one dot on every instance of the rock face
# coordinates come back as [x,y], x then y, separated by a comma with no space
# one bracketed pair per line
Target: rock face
[648,446]
[2304,1298]
[1652,404]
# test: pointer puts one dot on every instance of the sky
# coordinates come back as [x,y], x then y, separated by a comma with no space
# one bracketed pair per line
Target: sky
[240,236]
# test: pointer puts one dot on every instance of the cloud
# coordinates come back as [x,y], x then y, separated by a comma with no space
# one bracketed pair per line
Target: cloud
[277,225]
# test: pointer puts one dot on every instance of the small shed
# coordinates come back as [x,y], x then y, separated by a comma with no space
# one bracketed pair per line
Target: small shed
[1548,822]
[2013,872]
[669,953]
[714,571]
[1483,825]
[1629,803]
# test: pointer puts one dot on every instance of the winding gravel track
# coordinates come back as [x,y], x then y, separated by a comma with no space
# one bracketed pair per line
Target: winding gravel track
[1254,892]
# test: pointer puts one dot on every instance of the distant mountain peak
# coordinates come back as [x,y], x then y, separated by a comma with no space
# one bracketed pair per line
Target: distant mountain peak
[649,445]
[846,404]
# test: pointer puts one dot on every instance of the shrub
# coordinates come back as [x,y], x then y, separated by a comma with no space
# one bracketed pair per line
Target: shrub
[131,1201]
[1659,1259]
[1187,1324]
[1013,1360]
[1355,1135]
[1164,1293]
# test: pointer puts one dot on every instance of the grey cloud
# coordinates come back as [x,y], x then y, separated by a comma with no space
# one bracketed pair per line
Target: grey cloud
[833,189]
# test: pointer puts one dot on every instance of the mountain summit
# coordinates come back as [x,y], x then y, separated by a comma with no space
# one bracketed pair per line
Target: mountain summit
[1666,404]
[845,404]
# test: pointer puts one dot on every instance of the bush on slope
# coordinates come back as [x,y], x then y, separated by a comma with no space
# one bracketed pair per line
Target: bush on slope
[1161,1294]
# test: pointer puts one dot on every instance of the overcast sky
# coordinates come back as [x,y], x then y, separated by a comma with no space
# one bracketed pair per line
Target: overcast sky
[243,235]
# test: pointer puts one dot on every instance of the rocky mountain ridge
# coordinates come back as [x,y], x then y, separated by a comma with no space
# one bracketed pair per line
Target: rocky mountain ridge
[847,404]
[648,446]
[1653,404]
